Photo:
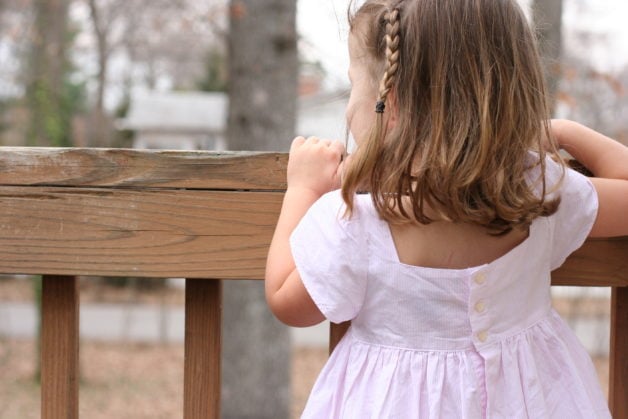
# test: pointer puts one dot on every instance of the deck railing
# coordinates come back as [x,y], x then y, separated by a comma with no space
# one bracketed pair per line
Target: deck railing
[207,217]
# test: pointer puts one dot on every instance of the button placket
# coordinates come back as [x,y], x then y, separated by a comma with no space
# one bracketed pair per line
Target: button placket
[479,321]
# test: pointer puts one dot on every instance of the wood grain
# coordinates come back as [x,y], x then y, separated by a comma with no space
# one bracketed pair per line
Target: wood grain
[22,166]
[618,379]
[203,336]
[143,233]
[599,262]
[59,348]
[184,233]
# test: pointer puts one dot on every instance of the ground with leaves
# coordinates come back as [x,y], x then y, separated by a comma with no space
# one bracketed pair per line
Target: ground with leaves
[120,380]
[125,381]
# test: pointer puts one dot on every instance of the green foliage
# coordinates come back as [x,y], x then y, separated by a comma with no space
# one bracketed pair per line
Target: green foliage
[52,112]
[53,107]
[215,77]
[123,107]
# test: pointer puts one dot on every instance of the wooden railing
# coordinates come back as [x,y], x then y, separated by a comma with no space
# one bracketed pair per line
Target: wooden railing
[204,216]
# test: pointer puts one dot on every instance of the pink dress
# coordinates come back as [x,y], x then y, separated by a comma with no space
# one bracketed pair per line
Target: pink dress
[481,342]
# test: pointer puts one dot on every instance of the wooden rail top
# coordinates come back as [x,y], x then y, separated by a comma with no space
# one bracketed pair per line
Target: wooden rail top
[115,212]
[192,214]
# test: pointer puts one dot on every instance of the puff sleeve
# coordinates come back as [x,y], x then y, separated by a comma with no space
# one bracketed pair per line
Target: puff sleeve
[576,213]
[330,254]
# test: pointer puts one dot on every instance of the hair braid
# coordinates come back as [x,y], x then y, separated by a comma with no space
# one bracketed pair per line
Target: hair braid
[392,57]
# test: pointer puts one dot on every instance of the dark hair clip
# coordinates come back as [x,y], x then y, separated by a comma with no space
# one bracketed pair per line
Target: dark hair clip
[379,106]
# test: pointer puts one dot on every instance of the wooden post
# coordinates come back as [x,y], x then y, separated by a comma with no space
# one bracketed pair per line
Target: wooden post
[336,332]
[59,347]
[203,317]
[618,385]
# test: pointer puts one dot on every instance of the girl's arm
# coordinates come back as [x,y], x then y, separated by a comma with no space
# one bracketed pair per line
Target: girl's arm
[607,159]
[313,170]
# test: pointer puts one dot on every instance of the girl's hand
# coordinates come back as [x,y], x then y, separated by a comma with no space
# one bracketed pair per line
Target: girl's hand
[315,164]
[607,160]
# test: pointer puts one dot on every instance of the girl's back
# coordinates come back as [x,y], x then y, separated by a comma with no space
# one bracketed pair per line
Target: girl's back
[450,246]
[450,218]
[446,336]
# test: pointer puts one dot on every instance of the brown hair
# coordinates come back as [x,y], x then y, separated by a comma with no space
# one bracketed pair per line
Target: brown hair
[470,103]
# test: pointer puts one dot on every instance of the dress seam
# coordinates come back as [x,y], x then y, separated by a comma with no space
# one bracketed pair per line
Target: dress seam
[400,348]
[524,330]
[471,348]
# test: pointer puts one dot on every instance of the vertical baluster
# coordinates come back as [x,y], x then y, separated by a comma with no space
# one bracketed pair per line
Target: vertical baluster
[59,347]
[203,317]
[618,385]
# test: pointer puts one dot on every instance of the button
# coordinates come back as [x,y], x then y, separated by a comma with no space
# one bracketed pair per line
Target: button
[479,306]
[480,278]
[482,336]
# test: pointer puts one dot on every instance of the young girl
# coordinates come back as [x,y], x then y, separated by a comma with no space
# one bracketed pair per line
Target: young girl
[439,245]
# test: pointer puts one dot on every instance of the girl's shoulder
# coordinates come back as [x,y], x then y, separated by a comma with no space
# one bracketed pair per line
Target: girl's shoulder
[559,178]
[332,205]
[329,213]
[577,209]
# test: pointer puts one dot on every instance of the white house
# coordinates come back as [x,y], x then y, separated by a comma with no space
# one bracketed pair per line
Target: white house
[177,120]
[198,120]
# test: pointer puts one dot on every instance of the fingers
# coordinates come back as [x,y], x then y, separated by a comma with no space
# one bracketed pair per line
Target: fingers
[316,140]
[297,142]
[313,163]
[336,146]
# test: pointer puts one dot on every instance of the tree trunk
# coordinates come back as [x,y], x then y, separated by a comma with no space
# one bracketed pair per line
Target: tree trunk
[263,70]
[98,136]
[547,16]
[262,89]
[50,123]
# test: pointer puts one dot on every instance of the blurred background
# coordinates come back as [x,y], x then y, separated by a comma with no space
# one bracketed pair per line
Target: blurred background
[227,75]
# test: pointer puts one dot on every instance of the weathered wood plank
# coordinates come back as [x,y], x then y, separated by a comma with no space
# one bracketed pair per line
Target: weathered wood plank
[599,262]
[618,379]
[185,233]
[21,166]
[59,348]
[202,371]
[109,232]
